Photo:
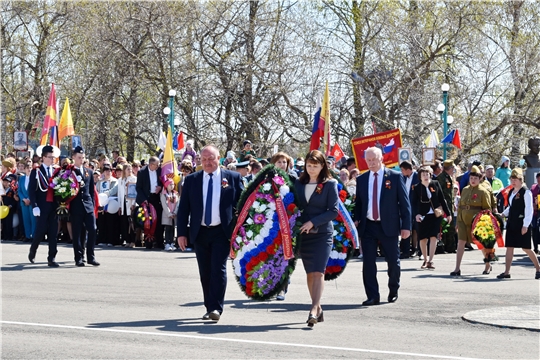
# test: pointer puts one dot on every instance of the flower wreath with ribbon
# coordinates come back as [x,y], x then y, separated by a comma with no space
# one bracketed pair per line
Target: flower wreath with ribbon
[263,243]
[345,236]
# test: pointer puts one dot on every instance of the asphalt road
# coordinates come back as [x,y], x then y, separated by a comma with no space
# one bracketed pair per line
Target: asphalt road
[147,305]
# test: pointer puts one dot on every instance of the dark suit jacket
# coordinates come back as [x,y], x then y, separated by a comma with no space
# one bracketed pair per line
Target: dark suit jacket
[83,203]
[143,184]
[190,209]
[421,203]
[37,197]
[322,208]
[394,206]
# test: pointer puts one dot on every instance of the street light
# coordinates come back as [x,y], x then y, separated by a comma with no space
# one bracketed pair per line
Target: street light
[449,119]
[443,110]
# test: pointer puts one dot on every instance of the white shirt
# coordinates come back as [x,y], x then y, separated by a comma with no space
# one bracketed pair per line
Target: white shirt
[528,207]
[408,182]
[153,180]
[309,190]
[26,182]
[48,170]
[216,195]
[380,180]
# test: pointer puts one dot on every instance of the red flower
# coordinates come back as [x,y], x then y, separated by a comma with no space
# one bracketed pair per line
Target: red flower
[474,196]
[249,266]
[271,249]
[342,195]
[319,188]
[339,218]
[348,234]
[263,256]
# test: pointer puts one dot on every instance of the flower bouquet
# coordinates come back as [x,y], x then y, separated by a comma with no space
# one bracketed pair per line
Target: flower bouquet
[65,186]
[263,242]
[145,217]
[345,236]
[486,232]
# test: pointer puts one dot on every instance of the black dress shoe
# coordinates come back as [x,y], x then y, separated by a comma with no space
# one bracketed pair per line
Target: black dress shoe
[392,297]
[53,264]
[370,302]
[311,320]
[31,257]
[94,262]
[455,273]
[79,263]
[503,276]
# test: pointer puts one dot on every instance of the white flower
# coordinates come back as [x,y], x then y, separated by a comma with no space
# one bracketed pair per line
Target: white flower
[272,206]
[267,187]
[79,178]
[55,181]
[236,266]
[284,190]
[262,208]
[264,232]
[347,202]
[258,239]
[249,221]
[256,204]
[334,254]
[250,246]
[249,234]
[238,239]
[334,233]
[343,256]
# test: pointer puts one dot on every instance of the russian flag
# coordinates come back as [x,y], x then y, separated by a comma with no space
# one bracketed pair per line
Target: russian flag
[318,128]
[389,147]
[453,138]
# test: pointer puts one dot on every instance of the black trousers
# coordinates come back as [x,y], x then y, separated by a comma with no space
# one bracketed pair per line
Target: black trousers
[89,222]
[108,228]
[46,224]
[212,250]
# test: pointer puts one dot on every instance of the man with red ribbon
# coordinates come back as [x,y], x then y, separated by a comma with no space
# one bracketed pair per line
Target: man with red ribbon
[206,210]
[44,206]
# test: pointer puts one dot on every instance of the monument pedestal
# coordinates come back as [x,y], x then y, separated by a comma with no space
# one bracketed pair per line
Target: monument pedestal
[530,176]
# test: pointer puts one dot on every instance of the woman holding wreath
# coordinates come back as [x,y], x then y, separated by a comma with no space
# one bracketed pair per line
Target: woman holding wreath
[518,227]
[427,200]
[318,199]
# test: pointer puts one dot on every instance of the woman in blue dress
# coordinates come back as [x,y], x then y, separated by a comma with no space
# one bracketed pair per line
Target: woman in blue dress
[318,199]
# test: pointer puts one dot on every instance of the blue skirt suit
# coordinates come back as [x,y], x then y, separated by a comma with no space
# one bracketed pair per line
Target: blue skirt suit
[320,209]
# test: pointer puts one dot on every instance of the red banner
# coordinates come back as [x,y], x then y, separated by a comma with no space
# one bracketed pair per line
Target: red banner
[284,226]
[388,142]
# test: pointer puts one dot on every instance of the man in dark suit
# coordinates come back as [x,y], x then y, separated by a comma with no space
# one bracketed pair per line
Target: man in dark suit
[383,212]
[82,210]
[148,189]
[411,178]
[44,207]
[206,210]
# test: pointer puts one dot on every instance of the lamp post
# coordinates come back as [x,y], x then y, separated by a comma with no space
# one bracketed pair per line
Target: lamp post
[172,94]
[443,111]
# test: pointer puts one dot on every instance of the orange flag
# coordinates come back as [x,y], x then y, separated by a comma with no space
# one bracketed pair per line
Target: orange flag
[65,128]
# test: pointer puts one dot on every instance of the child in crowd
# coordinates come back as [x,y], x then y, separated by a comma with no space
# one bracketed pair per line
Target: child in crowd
[169,202]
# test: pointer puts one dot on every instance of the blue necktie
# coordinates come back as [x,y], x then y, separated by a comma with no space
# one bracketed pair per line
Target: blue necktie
[208,206]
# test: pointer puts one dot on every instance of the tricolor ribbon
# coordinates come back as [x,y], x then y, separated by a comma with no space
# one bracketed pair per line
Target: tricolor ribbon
[349,223]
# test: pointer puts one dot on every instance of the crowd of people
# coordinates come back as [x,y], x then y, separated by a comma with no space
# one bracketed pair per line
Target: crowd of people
[406,212]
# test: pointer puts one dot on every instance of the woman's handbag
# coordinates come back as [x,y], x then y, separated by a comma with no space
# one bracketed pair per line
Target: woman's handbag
[437,211]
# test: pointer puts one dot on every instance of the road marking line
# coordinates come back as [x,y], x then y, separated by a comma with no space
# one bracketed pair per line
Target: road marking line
[199,337]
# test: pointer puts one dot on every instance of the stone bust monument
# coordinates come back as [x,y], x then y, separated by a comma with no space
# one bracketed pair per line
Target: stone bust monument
[532,159]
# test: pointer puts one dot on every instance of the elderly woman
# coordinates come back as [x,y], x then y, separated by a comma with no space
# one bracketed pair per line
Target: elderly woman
[425,198]
[518,227]
[474,198]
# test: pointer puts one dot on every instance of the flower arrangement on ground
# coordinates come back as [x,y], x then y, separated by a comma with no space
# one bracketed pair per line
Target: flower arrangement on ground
[345,237]
[263,242]
[65,186]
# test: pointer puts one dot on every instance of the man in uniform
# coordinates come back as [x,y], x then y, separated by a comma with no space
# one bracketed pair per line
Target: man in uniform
[447,184]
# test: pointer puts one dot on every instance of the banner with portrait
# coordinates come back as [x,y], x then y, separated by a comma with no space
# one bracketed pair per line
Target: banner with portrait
[388,141]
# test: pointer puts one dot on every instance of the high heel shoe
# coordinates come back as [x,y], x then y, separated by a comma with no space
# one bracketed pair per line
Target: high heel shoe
[486,272]
[455,273]
[311,320]
[320,318]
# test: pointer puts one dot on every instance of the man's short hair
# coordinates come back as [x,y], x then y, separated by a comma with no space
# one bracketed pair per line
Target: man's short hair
[407,165]
[153,160]
[255,165]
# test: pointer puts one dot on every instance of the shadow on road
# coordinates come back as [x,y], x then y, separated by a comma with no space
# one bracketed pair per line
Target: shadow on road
[196,325]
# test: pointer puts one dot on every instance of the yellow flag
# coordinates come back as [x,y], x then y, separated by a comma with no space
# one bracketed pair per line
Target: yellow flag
[65,128]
